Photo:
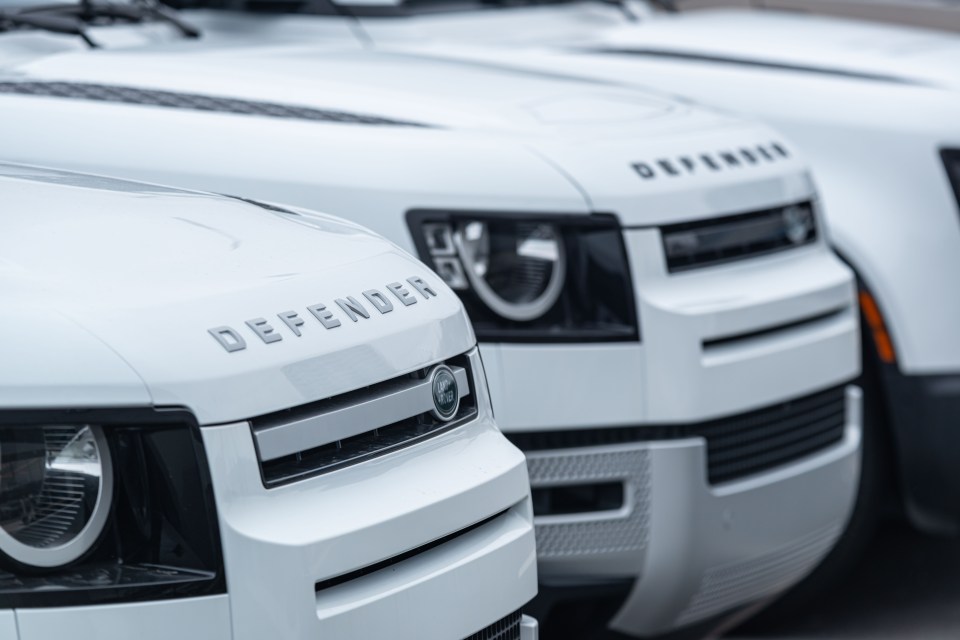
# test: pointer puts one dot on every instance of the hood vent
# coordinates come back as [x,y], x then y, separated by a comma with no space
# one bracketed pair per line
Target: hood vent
[191,101]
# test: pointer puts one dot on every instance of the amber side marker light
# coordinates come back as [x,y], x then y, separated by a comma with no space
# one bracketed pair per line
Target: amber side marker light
[879,330]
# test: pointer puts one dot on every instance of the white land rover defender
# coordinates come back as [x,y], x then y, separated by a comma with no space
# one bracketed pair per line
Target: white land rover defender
[873,107]
[220,420]
[666,332]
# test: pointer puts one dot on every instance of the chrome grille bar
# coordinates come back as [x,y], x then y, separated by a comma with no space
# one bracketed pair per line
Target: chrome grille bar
[350,416]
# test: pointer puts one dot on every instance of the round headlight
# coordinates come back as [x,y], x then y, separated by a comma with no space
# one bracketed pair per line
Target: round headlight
[56,486]
[517,269]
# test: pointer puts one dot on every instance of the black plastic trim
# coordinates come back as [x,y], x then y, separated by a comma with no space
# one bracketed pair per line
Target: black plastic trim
[925,419]
[951,157]
[786,326]
[738,445]
[329,583]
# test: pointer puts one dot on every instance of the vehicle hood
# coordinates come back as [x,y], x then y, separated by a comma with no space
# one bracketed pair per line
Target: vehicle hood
[110,289]
[804,42]
[407,88]
[479,116]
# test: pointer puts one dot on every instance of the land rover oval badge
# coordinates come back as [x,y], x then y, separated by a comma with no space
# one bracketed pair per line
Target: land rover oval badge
[797,222]
[446,395]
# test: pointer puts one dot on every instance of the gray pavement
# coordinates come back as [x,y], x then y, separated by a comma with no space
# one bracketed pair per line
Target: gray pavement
[907,586]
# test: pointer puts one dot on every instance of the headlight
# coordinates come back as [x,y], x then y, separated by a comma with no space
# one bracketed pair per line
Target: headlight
[56,488]
[526,277]
[102,506]
[517,269]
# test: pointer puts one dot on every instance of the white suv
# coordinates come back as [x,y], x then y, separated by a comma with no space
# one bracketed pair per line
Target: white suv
[200,439]
[873,107]
[666,332]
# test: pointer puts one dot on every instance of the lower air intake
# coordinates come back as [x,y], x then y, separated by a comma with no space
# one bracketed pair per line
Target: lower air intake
[737,446]
[507,628]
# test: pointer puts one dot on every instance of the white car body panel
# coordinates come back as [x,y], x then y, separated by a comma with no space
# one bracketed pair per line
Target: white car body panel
[513,141]
[871,106]
[837,88]
[110,288]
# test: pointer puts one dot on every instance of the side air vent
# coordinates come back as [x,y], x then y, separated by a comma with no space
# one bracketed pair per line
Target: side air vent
[693,245]
[737,446]
[395,560]
[191,101]
[357,426]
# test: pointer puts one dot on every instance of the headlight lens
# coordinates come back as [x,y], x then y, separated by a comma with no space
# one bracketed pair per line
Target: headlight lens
[104,506]
[530,277]
[56,488]
[517,269]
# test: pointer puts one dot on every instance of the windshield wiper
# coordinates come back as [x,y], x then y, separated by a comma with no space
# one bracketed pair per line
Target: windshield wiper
[89,11]
[670,6]
[55,24]
[624,9]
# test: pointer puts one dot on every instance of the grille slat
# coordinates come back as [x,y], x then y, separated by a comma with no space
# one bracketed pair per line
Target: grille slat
[357,426]
[737,446]
[507,628]
[767,434]
[770,460]
[703,243]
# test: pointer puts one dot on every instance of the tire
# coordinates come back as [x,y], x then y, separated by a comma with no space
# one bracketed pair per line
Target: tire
[873,494]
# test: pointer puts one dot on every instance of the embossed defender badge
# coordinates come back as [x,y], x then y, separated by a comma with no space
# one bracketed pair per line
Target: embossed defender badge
[232,340]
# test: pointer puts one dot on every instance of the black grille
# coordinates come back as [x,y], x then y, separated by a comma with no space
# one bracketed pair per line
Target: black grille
[737,446]
[507,628]
[366,445]
[693,245]
[191,101]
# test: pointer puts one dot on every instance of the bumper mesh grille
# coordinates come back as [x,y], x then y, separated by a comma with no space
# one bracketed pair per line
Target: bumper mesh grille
[625,532]
[771,437]
[737,446]
[507,628]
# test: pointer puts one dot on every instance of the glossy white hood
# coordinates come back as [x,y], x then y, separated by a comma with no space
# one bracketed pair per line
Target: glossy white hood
[807,42]
[111,288]
[408,87]
[469,134]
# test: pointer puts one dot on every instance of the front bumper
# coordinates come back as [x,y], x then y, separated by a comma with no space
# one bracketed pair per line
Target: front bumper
[925,417]
[695,550]
[201,618]
[432,542]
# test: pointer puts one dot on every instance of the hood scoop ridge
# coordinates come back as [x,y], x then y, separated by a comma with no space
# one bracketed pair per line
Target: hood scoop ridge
[191,101]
